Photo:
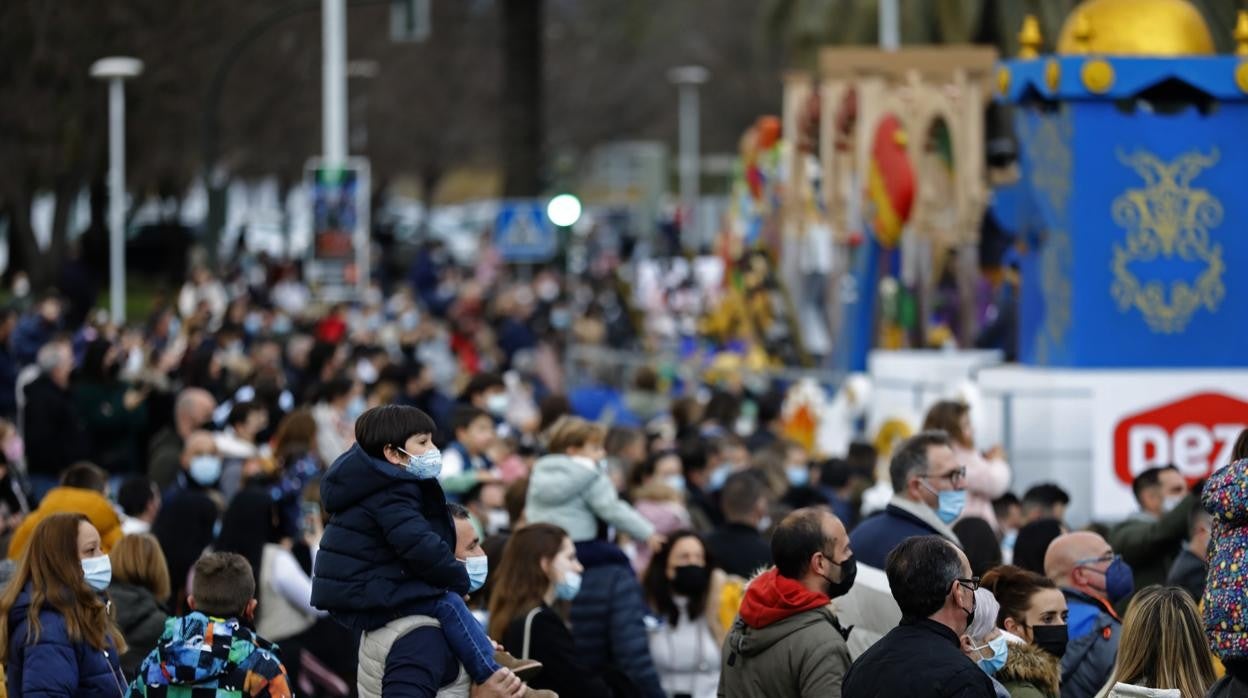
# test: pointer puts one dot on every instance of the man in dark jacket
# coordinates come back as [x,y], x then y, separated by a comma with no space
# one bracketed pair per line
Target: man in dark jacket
[1151,539]
[1191,567]
[927,496]
[191,411]
[1092,579]
[737,546]
[420,663]
[931,580]
[188,517]
[55,437]
[787,641]
[608,617]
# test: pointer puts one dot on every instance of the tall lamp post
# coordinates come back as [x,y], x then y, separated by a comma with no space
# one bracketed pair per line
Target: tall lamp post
[687,79]
[116,70]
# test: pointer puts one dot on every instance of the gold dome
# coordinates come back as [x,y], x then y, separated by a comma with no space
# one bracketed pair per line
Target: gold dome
[1136,28]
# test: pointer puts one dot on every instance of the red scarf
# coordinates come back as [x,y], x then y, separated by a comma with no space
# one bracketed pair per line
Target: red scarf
[771,598]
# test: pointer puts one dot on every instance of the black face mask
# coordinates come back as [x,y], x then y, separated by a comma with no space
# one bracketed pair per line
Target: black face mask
[849,570]
[1050,638]
[691,580]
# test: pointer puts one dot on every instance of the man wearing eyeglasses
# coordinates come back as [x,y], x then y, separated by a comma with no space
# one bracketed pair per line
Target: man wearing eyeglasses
[928,495]
[930,579]
[1093,579]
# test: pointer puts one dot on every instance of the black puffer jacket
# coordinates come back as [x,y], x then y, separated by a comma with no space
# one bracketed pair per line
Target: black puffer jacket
[141,619]
[608,618]
[389,544]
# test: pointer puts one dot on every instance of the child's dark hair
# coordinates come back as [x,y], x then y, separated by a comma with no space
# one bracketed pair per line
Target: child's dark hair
[390,425]
[222,585]
[465,415]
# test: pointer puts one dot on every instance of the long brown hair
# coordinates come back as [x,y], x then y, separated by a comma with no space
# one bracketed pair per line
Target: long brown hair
[522,583]
[947,415]
[50,566]
[1163,643]
[295,434]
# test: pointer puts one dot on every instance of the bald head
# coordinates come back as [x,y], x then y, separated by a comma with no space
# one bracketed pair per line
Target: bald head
[1067,553]
[192,410]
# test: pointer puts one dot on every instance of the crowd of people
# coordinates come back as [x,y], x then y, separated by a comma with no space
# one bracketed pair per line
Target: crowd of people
[252,493]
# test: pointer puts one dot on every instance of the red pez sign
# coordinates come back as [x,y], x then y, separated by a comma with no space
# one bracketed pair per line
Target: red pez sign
[1196,434]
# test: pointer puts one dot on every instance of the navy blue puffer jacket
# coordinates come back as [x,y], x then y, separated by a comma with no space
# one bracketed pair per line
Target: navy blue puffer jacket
[53,665]
[389,544]
[609,617]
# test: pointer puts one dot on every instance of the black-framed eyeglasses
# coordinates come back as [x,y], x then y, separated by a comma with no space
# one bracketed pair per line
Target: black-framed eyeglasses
[954,477]
[971,584]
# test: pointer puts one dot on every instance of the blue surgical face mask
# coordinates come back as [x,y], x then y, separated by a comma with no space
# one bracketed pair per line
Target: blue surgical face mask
[478,570]
[569,586]
[355,408]
[718,477]
[1119,580]
[950,503]
[1000,651]
[799,475]
[676,482]
[98,571]
[205,470]
[1009,539]
[426,466]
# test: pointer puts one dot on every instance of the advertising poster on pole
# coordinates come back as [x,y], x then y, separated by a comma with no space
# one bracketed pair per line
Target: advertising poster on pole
[337,268]
[1188,419]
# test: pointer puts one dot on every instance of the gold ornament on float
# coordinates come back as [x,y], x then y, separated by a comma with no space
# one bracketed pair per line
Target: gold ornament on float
[1136,28]
[1168,220]
[1098,75]
[1052,74]
[1029,38]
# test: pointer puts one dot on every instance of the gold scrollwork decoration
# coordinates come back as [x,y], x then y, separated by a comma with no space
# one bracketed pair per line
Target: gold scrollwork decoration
[1055,261]
[1168,219]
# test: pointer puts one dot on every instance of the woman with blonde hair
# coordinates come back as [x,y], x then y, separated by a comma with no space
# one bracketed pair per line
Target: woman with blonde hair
[1162,652]
[139,591]
[56,636]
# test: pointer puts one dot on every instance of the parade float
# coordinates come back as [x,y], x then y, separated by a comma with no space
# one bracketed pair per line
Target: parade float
[1133,159]
[1124,220]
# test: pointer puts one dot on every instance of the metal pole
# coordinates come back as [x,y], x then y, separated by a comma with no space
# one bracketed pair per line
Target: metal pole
[117,199]
[688,160]
[890,20]
[334,93]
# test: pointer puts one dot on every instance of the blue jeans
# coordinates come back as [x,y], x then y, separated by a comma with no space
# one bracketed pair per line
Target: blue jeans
[467,640]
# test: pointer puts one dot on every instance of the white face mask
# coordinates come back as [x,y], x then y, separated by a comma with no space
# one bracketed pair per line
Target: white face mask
[1169,503]
[98,571]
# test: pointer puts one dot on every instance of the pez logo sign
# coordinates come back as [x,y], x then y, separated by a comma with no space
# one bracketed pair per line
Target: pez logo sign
[1196,434]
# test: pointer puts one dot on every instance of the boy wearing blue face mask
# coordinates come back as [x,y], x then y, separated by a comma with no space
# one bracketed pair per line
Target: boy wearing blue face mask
[388,551]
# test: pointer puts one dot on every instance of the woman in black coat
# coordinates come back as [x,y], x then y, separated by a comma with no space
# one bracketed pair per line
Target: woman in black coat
[139,592]
[538,568]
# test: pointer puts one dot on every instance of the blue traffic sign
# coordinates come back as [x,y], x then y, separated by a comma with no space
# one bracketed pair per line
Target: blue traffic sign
[523,233]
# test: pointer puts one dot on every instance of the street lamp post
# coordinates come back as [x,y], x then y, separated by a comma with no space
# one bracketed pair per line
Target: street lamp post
[687,79]
[116,70]
[334,93]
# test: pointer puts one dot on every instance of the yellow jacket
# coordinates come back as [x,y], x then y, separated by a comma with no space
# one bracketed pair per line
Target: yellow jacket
[62,500]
